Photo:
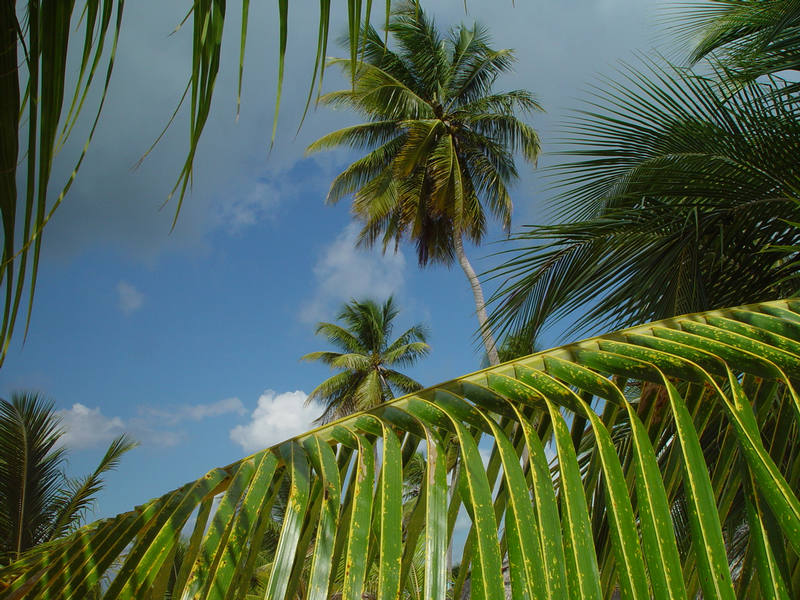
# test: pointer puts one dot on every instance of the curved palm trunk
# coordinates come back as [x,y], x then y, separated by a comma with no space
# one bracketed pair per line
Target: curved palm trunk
[480,303]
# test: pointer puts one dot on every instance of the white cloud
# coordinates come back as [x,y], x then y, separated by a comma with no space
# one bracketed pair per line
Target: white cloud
[85,427]
[221,407]
[241,212]
[129,299]
[197,412]
[345,272]
[276,418]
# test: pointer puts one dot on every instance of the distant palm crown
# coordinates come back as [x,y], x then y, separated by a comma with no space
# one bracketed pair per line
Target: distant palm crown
[441,144]
[368,360]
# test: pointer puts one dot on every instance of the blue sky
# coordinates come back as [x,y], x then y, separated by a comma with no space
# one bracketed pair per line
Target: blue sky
[190,340]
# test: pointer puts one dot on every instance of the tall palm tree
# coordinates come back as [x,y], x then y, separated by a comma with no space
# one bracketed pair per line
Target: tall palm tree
[368,358]
[440,141]
[38,503]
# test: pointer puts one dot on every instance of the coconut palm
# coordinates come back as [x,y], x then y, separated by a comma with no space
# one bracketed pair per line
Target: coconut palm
[587,513]
[440,140]
[368,359]
[38,503]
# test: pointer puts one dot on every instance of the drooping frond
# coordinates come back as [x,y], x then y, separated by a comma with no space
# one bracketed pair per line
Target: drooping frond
[752,37]
[45,87]
[670,190]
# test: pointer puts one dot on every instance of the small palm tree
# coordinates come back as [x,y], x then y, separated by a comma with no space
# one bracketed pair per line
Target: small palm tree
[38,503]
[441,142]
[367,359]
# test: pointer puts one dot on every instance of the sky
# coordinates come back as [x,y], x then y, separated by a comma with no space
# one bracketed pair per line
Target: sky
[189,340]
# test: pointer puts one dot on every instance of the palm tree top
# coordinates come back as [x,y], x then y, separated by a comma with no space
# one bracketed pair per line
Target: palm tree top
[368,358]
[441,142]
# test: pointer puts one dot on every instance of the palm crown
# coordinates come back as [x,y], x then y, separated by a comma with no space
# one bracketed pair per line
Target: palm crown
[368,358]
[441,144]
[38,502]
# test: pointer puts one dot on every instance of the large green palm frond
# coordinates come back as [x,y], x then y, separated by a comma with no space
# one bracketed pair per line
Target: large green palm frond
[601,480]
[670,191]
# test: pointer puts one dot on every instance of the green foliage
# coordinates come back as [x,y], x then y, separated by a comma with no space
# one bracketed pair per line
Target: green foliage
[367,364]
[679,192]
[33,127]
[630,463]
[751,37]
[38,503]
[674,189]
[440,141]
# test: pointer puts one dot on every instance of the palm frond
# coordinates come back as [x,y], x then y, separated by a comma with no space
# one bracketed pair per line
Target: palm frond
[652,410]
[752,38]
[74,501]
[670,190]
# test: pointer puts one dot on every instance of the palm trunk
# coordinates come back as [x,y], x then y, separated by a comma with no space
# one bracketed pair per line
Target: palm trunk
[480,303]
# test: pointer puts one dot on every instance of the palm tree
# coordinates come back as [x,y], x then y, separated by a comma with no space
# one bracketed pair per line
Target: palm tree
[38,503]
[440,141]
[367,360]
[584,513]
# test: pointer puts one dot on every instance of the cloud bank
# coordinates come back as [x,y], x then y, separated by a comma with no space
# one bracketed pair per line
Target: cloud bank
[129,299]
[276,418]
[86,427]
[197,412]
